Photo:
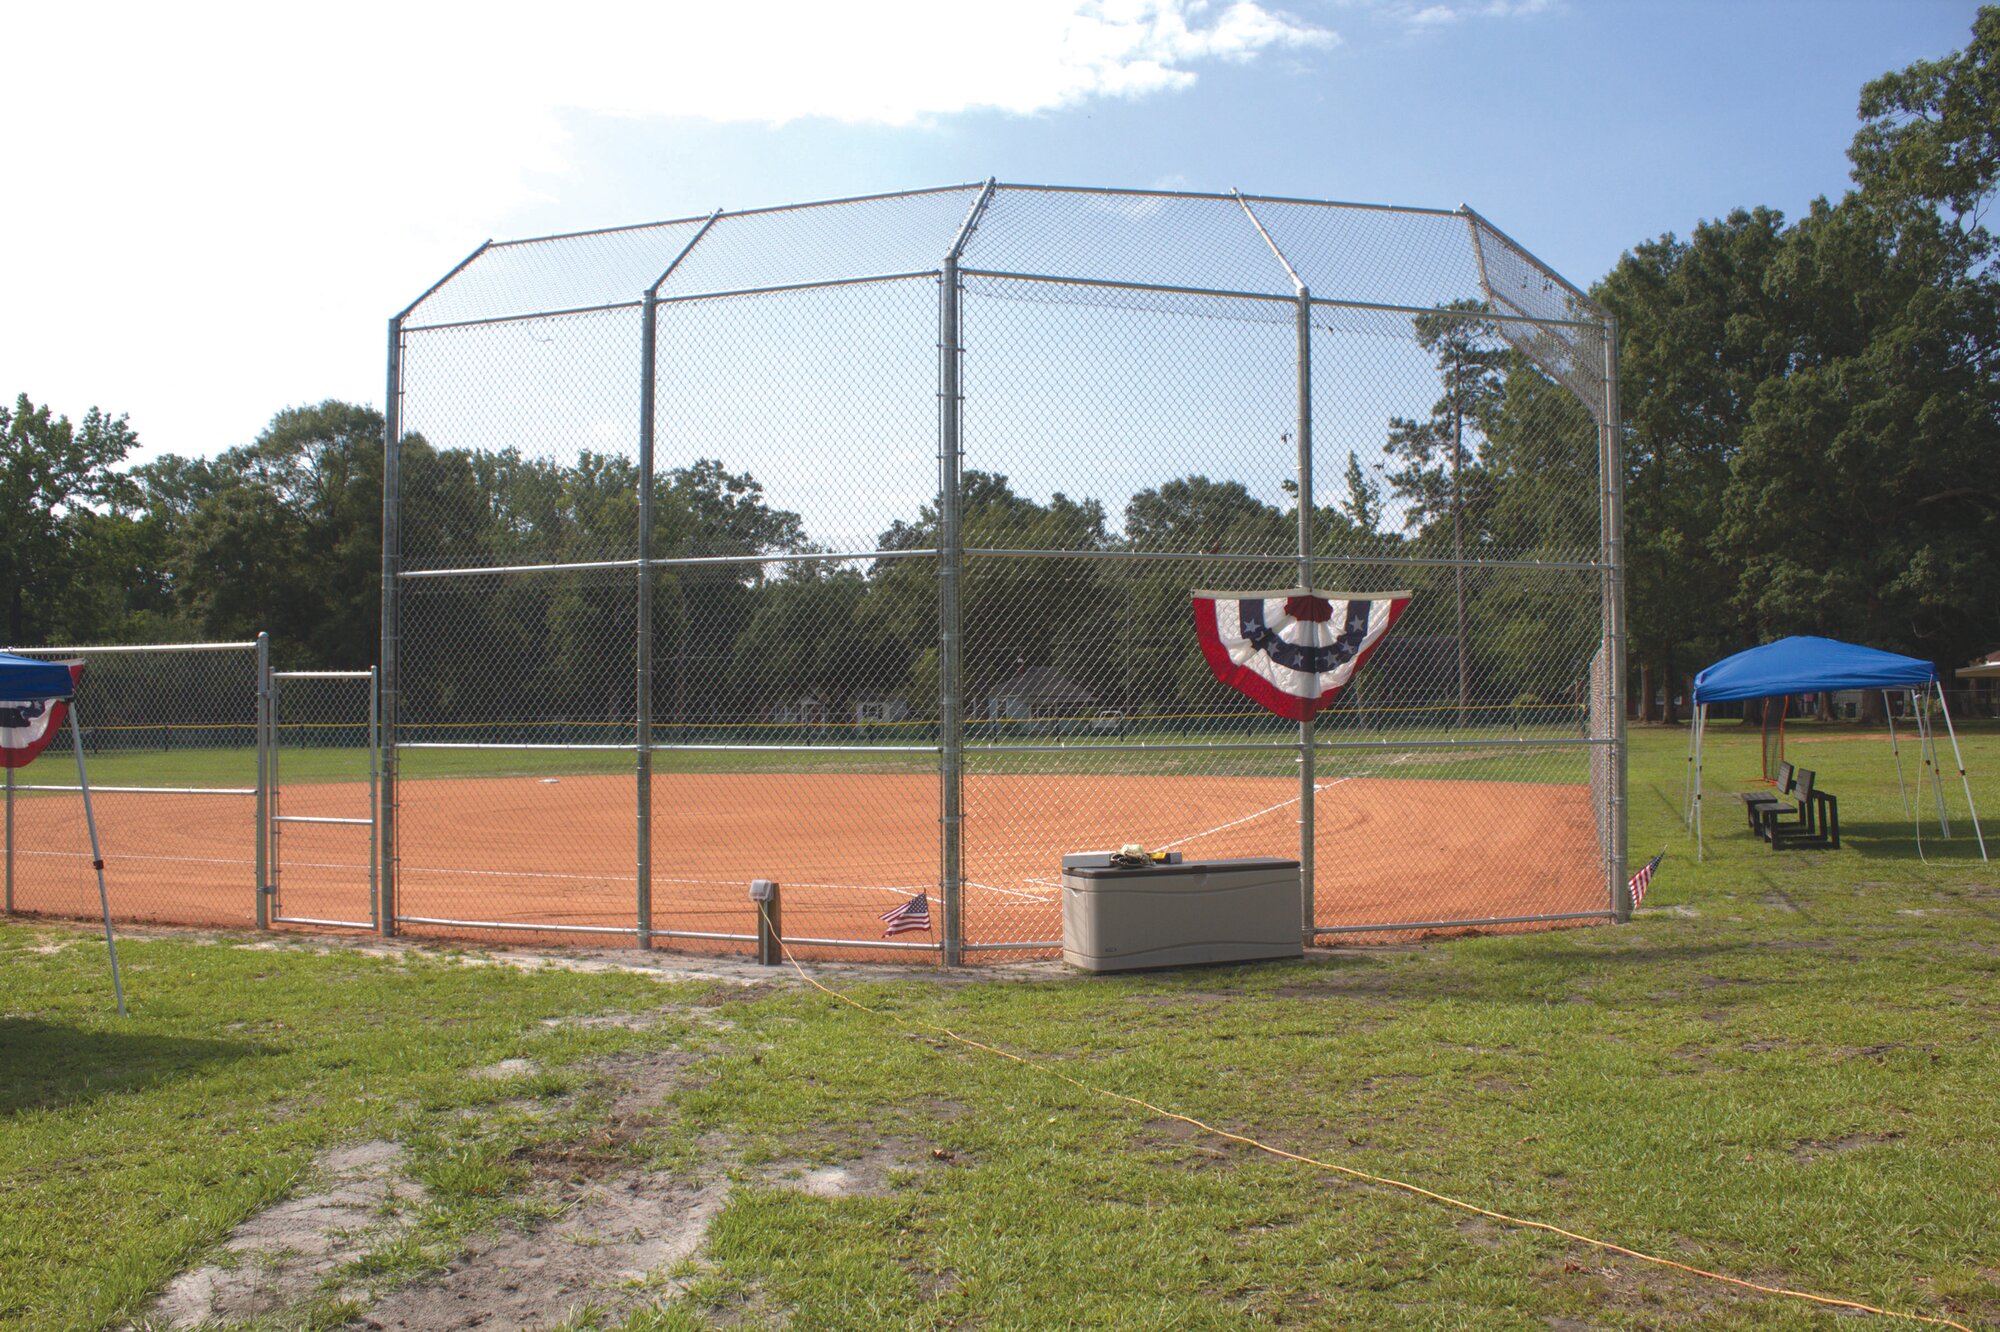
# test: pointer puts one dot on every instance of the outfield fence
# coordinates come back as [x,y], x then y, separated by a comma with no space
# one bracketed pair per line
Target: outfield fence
[850,545]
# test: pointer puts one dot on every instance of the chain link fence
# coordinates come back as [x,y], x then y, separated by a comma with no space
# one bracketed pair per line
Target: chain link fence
[850,545]
[172,734]
[323,766]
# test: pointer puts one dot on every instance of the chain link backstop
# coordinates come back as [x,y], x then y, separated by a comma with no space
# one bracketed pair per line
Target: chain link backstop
[850,545]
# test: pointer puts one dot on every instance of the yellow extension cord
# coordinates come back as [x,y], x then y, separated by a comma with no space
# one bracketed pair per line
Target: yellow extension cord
[1362,1175]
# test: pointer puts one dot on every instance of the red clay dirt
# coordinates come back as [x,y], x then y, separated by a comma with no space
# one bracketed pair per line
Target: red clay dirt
[542,853]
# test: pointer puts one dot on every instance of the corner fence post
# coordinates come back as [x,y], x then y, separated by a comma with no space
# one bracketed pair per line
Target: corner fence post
[951,557]
[1308,766]
[388,682]
[643,643]
[1611,462]
[262,730]
[375,797]
[1302,427]
[951,759]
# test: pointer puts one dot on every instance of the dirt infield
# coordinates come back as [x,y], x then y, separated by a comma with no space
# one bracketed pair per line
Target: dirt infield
[543,852]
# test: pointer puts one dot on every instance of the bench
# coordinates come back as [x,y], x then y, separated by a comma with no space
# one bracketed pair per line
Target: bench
[1756,802]
[1810,818]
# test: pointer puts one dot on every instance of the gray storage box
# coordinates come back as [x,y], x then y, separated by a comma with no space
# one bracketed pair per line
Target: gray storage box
[1177,915]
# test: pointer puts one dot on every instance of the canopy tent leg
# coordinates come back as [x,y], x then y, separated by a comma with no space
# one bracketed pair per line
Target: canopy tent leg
[1700,740]
[1687,784]
[1931,763]
[1889,711]
[96,856]
[1964,781]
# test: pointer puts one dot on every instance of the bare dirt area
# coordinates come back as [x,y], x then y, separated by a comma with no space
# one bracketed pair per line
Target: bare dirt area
[604,1252]
[281,1256]
[613,1229]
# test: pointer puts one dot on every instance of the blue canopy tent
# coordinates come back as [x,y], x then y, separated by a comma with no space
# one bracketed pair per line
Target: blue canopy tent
[1807,665]
[28,688]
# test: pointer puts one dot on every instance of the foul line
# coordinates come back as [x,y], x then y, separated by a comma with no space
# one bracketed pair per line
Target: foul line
[1827,1301]
[1249,818]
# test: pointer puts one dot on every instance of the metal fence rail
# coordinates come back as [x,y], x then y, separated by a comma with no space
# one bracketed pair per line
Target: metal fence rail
[849,545]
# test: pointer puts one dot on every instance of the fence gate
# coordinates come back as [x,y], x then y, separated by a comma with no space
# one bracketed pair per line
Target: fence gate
[324,742]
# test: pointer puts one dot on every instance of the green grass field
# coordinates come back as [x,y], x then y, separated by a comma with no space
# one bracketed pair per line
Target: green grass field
[203,766]
[1784,1068]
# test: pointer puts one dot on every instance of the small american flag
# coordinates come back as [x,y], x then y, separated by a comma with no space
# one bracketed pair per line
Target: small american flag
[914,914]
[1644,878]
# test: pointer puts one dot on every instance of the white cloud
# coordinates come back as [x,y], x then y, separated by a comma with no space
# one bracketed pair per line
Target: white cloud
[1431,17]
[207,197]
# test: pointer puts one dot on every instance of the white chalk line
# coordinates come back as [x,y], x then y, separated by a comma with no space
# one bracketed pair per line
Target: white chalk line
[1249,818]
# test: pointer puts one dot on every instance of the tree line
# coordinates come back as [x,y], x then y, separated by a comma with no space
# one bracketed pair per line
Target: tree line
[1810,411]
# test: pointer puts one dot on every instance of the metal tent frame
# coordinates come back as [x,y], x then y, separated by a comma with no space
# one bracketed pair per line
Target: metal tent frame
[1920,697]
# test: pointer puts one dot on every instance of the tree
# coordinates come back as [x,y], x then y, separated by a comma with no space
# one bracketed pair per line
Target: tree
[283,535]
[1865,502]
[1363,505]
[1930,137]
[1446,483]
[1194,513]
[1700,331]
[52,473]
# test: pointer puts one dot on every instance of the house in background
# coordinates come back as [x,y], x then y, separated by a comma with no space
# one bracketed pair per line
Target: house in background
[806,710]
[1981,680]
[1039,693]
[879,709]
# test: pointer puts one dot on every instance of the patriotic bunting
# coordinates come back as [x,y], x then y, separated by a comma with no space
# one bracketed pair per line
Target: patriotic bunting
[1292,651]
[26,727]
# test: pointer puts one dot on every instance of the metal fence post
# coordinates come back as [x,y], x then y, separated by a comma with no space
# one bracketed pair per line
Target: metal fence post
[9,857]
[374,797]
[951,758]
[951,554]
[643,647]
[263,734]
[1611,458]
[388,681]
[1308,767]
[1302,427]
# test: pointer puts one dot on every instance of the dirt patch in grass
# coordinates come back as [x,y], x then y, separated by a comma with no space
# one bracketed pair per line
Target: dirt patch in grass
[505,1069]
[613,1234]
[1815,1149]
[870,1173]
[617,1224]
[281,1255]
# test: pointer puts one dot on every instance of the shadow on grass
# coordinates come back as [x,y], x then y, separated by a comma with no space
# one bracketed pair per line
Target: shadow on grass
[46,1064]
[1899,841]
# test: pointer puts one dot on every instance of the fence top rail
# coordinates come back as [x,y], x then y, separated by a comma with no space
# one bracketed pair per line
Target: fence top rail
[323,675]
[136,647]
[150,790]
[999,186]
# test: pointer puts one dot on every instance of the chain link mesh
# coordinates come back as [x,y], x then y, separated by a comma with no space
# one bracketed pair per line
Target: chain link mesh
[323,759]
[170,739]
[1122,374]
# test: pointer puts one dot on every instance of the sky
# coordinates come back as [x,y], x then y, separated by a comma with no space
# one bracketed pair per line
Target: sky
[213,209]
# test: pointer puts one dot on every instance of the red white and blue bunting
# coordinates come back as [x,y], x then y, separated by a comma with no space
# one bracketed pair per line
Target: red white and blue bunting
[1292,651]
[27,726]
